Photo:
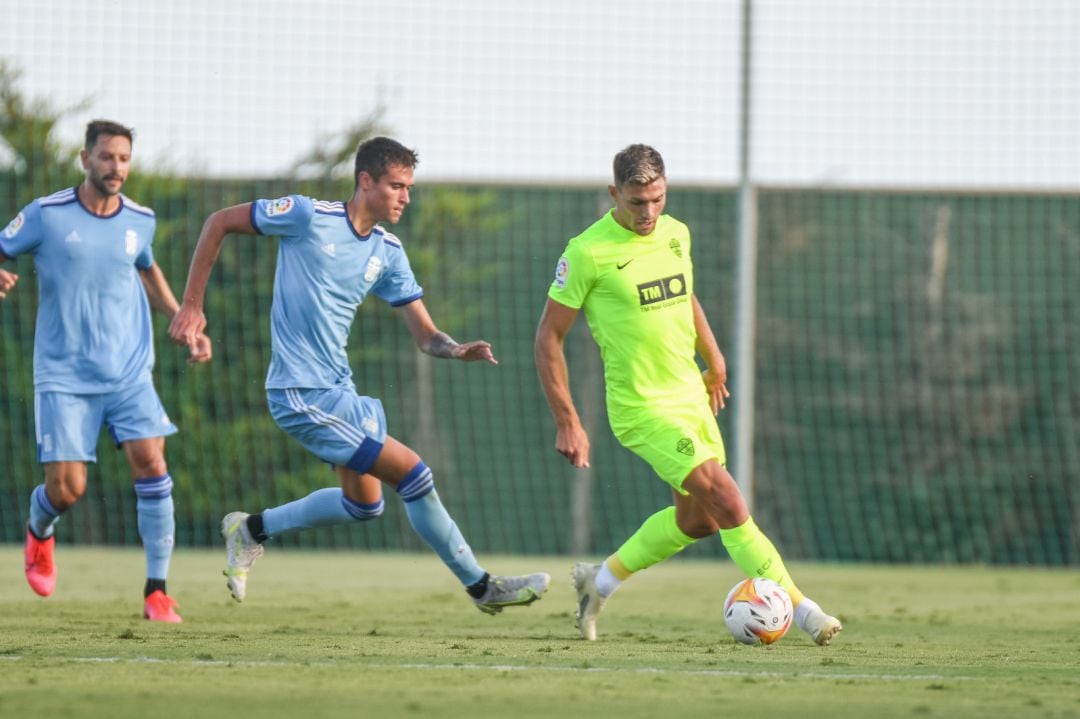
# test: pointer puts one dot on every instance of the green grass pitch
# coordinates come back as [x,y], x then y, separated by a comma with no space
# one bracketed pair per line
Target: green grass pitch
[339,634]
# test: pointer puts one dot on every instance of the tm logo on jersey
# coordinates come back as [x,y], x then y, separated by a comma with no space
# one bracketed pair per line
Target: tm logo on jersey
[664,289]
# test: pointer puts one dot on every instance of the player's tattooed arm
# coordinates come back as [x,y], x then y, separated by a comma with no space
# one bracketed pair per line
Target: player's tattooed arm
[433,341]
[441,345]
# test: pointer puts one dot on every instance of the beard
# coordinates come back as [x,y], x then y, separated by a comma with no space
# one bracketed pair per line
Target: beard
[99,181]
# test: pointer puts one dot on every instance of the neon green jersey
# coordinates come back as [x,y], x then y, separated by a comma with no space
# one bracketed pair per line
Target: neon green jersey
[635,291]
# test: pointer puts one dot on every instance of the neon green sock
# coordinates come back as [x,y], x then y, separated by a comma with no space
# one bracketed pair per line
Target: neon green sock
[658,538]
[752,551]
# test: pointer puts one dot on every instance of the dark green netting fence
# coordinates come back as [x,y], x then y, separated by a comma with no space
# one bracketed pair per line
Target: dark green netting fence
[915,376]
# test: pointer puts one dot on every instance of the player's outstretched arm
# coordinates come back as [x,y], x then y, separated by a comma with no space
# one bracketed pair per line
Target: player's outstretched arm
[433,341]
[158,292]
[715,375]
[162,299]
[189,321]
[7,281]
[571,440]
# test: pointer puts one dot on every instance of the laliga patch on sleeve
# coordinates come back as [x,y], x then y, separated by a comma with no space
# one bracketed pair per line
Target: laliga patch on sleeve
[14,226]
[561,271]
[280,206]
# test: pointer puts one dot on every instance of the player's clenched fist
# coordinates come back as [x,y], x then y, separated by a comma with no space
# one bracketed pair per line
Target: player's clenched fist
[7,282]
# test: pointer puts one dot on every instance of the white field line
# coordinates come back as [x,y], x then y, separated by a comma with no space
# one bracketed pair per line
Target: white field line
[518,668]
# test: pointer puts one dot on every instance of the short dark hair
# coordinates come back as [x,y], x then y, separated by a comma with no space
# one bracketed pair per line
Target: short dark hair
[378,154]
[97,128]
[638,165]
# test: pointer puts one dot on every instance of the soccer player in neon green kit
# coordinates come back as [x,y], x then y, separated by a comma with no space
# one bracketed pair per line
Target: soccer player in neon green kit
[631,273]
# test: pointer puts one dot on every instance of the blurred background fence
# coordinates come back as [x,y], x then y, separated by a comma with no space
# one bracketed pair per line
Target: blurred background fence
[915,334]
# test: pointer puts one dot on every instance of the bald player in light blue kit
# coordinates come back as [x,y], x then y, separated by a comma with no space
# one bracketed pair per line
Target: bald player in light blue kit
[93,353]
[331,256]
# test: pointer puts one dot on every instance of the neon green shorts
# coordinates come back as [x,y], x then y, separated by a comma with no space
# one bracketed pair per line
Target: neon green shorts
[673,441]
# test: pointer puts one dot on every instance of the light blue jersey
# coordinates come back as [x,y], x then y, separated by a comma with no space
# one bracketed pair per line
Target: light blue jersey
[324,271]
[93,332]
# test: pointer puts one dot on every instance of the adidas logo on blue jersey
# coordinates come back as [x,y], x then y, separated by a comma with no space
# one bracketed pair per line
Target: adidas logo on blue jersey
[330,249]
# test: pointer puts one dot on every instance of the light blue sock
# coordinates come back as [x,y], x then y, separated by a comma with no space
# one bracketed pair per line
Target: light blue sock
[320,508]
[43,514]
[432,522]
[157,525]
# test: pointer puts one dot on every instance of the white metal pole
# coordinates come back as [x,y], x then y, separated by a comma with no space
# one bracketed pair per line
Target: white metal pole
[746,280]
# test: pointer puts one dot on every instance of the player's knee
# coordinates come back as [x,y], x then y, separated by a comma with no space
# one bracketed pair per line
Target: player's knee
[715,489]
[417,484]
[146,457]
[360,511]
[148,464]
[64,488]
[63,495]
[726,507]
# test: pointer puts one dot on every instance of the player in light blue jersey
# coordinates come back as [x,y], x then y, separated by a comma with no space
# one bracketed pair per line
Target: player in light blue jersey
[93,353]
[331,256]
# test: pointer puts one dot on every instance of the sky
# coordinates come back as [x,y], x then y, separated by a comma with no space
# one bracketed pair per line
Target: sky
[935,93]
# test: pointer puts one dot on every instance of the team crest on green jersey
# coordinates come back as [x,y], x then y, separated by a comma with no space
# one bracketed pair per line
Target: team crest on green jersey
[676,247]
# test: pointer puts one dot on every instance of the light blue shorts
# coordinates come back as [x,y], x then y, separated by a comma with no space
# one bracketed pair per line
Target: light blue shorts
[338,426]
[68,425]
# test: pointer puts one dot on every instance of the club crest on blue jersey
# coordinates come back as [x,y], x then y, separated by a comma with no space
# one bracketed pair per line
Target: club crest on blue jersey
[131,242]
[14,226]
[374,266]
[280,206]
[561,271]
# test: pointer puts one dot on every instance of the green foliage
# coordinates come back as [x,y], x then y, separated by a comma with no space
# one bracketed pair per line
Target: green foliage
[454,230]
[331,156]
[26,130]
[924,342]
[915,355]
[891,426]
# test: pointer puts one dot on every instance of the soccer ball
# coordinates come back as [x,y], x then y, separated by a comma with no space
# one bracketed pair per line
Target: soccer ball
[758,611]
